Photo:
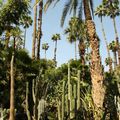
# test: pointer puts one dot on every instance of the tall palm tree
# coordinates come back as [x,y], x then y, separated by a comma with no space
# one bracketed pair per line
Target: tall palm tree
[26,21]
[55,38]
[45,47]
[113,47]
[15,33]
[77,32]
[99,12]
[97,76]
[71,31]
[39,28]
[34,30]
[111,9]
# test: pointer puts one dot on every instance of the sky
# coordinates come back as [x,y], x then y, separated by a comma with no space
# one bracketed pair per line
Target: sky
[65,50]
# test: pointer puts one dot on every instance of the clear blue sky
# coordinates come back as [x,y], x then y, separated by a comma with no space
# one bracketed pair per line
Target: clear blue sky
[65,51]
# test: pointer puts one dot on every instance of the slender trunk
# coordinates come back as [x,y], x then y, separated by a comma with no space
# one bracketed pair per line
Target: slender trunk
[7,39]
[24,39]
[55,50]
[82,51]
[106,43]
[117,40]
[12,93]
[115,59]
[39,28]
[75,51]
[98,91]
[45,54]
[34,31]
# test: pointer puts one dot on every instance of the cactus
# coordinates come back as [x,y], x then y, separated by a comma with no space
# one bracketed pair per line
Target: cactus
[75,100]
[69,91]
[59,113]
[78,91]
[27,104]
[63,100]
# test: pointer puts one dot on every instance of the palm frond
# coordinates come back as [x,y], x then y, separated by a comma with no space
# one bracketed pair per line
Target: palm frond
[65,11]
[92,7]
[48,3]
[74,7]
[80,10]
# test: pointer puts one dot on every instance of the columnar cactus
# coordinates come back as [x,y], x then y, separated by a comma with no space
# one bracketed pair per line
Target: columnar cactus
[78,90]
[63,100]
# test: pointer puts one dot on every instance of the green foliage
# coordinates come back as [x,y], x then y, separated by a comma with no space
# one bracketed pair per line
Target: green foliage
[11,13]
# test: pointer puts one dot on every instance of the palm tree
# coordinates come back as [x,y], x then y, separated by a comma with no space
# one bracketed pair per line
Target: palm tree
[45,47]
[77,31]
[39,35]
[55,38]
[26,21]
[111,9]
[99,12]
[15,33]
[113,47]
[97,76]
[34,31]
[71,31]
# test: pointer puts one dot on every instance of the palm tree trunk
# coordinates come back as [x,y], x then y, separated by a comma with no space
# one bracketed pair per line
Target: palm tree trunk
[117,39]
[34,32]
[75,51]
[12,93]
[39,28]
[45,54]
[82,51]
[7,39]
[24,39]
[98,91]
[106,43]
[115,58]
[55,50]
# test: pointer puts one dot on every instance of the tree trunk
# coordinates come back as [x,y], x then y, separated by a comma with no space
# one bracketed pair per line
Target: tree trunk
[106,43]
[24,38]
[45,54]
[98,91]
[39,28]
[7,38]
[12,93]
[75,51]
[115,59]
[117,40]
[35,30]
[82,51]
[55,50]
